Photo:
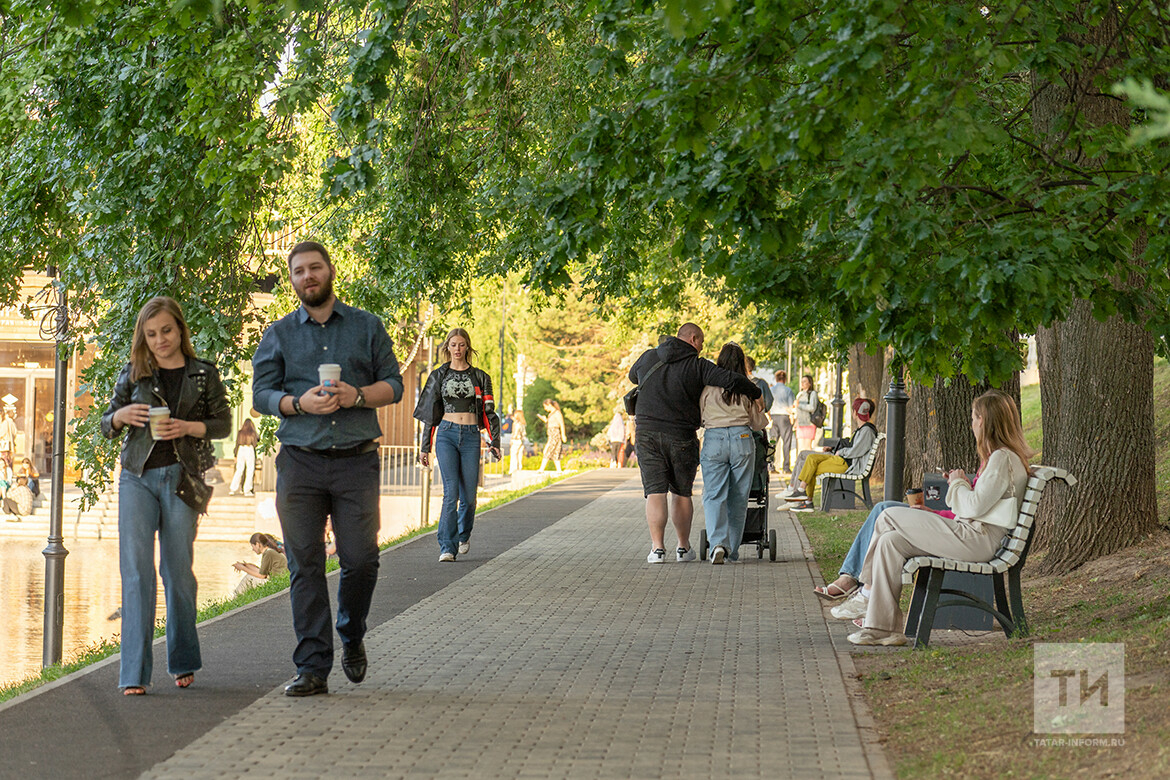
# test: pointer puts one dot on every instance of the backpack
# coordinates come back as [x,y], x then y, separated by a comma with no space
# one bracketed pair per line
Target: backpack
[817,415]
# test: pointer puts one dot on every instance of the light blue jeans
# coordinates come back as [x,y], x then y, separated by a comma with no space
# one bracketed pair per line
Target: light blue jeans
[457,450]
[147,505]
[728,457]
[851,566]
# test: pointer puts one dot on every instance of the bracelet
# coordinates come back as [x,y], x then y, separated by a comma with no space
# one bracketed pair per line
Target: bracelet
[297,405]
[360,401]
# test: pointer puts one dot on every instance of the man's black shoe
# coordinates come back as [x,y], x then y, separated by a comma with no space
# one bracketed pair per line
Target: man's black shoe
[353,661]
[307,685]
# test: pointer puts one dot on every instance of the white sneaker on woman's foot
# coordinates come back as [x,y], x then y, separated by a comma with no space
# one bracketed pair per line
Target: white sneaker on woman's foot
[853,607]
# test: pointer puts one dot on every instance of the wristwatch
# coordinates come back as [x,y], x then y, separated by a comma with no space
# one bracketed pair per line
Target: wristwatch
[360,401]
[297,405]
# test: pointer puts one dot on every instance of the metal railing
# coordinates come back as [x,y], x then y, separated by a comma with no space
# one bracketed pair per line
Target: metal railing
[400,472]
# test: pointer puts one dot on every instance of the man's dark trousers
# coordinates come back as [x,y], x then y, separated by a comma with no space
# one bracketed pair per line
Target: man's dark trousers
[310,487]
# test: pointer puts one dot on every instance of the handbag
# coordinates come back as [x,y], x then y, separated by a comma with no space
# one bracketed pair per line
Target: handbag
[193,491]
[1003,514]
[758,418]
[630,399]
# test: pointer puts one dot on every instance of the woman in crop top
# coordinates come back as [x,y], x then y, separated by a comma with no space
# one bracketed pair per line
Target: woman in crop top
[455,404]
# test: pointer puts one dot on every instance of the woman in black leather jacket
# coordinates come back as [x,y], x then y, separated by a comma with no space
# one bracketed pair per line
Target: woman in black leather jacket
[161,488]
[455,404]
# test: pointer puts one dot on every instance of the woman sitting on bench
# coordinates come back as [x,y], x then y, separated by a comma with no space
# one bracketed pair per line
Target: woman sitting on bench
[983,515]
[837,461]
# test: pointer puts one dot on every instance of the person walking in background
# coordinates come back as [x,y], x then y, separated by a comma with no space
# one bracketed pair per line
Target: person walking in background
[455,403]
[328,464]
[617,439]
[246,441]
[728,457]
[671,379]
[760,383]
[161,491]
[272,561]
[783,401]
[554,423]
[806,403]
[519,433]
[8,433]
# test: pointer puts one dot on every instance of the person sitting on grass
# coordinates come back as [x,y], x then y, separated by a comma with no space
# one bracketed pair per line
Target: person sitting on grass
[836,461]
[272,561]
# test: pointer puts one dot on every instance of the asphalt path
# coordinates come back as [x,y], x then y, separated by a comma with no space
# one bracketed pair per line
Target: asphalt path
[82,726]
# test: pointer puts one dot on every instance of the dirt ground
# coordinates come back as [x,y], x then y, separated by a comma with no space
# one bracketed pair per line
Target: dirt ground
[964,708]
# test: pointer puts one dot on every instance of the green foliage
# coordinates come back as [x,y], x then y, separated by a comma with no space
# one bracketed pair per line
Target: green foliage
[869,166]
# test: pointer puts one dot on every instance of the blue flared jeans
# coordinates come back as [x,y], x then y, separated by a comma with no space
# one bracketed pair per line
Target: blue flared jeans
[727,458]
[457,450]
[856,555]
[147,506]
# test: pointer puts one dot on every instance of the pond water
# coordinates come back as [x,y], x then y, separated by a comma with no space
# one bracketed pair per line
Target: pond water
[93,591]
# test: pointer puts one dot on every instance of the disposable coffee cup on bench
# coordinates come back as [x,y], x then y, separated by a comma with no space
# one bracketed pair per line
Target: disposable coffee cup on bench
[915,498]
[329,374]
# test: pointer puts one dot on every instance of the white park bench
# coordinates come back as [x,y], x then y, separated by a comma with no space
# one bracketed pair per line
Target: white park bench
[926,572]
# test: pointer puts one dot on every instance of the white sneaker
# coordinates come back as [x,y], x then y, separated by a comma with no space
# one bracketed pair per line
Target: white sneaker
[656,556]
[682,554]
[464,547]
[852,608]
[791,491]
[447,558]
[717,556]
[872,636]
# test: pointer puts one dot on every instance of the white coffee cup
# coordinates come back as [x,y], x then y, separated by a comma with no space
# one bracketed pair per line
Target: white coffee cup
[329,374]
[157,415]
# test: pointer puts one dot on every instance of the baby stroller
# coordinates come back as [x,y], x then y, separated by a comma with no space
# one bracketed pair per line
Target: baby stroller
[755,529]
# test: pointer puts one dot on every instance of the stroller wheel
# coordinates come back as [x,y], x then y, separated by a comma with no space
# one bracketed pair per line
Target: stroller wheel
[703,545]
[772,545]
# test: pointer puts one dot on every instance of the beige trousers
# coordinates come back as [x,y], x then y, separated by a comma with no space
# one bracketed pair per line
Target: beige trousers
[900,533]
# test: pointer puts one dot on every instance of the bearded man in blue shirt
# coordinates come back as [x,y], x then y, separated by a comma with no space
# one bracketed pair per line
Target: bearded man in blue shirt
[328,464]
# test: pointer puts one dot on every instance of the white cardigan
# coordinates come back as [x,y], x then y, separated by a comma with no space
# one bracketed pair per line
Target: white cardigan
[1004,476]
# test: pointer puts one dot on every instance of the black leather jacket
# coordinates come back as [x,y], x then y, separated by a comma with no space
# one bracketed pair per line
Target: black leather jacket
[201,397]
[429,409]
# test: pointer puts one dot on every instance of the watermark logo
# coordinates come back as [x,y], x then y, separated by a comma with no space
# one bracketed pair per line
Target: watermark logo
[1079,689]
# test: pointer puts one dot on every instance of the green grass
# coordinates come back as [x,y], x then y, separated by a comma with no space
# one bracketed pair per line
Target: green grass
[963,711]
[275,584]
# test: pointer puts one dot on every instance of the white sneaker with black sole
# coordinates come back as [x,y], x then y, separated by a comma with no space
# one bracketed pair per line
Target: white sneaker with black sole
[656,556]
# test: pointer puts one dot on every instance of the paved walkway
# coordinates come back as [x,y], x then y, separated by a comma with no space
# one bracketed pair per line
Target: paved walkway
[558,653]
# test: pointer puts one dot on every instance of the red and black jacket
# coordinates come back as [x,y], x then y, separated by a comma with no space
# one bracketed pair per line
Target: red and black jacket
[429,409]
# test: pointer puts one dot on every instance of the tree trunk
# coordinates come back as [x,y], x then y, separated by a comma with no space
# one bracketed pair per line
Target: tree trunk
[938,426]
[868,378]
[1097,403]
[1096,378]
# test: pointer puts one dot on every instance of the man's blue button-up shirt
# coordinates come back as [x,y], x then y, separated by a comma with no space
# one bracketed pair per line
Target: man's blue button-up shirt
[286,363]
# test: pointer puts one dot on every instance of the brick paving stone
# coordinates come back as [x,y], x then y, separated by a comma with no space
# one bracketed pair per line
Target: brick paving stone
[569,656]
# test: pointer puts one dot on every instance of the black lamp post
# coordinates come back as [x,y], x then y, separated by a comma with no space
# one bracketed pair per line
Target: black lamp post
[838,407]
[896,399]
[55,552]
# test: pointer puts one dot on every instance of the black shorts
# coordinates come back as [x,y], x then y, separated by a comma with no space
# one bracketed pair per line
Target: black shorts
[667,462]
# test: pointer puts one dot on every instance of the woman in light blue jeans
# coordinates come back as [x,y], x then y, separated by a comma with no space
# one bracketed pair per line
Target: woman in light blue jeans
[850,571]
[850,574]
[728,458]
[161,490]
